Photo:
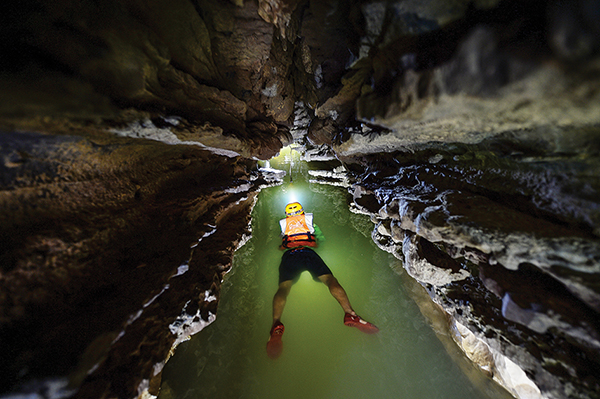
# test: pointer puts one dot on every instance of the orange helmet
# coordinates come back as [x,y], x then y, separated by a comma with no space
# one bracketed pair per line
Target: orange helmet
[293,209]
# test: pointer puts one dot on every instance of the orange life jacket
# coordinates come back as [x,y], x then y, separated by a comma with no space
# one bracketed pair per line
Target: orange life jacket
[298,231]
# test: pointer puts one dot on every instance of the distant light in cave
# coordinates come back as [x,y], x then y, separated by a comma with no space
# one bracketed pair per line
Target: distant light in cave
[287,160]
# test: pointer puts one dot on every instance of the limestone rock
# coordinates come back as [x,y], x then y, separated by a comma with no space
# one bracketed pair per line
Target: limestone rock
[105,245]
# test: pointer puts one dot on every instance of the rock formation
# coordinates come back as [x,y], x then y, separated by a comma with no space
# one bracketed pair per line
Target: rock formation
[130,131]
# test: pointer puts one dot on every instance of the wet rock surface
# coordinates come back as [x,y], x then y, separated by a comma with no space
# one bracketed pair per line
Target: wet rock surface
[494,252]
[103,243]
[129,134]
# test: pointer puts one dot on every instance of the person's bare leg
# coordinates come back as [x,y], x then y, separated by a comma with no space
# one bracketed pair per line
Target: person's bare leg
[351,319]
[280,299]
[338,292]
[275,345]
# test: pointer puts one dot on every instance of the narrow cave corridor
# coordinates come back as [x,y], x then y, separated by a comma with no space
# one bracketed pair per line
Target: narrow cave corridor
[322,358]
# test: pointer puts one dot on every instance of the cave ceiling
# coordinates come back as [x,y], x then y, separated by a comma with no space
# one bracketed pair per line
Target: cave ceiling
[232,74]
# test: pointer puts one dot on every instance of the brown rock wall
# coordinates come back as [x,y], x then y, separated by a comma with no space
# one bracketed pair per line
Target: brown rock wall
[91,246]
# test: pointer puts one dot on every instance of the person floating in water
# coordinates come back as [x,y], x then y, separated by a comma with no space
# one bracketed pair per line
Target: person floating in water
[298,235]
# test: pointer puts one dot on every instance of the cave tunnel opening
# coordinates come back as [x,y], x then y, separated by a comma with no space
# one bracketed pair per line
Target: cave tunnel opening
[322,358]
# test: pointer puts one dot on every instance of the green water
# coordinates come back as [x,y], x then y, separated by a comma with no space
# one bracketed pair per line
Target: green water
[322,358]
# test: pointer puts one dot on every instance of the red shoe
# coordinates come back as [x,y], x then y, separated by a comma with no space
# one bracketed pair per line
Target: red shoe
[275,345]
[358,322]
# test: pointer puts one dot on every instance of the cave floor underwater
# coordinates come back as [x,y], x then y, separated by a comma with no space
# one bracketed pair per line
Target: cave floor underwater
[322,358]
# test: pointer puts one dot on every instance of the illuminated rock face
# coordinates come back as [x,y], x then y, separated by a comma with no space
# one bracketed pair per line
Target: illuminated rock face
[490,249]
[129,138]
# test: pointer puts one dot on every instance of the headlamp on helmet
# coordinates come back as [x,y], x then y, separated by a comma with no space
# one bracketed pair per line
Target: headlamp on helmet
[293,209]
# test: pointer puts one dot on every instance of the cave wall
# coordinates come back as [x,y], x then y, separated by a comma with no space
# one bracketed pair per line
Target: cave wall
[130,130]
[107,244]
[479,168]
[493,251]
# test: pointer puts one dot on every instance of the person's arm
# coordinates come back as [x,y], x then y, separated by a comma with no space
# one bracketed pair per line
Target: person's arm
[318,234]
[281,235]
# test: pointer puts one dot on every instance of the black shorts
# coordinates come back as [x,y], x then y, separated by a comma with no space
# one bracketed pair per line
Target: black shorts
[295,261]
